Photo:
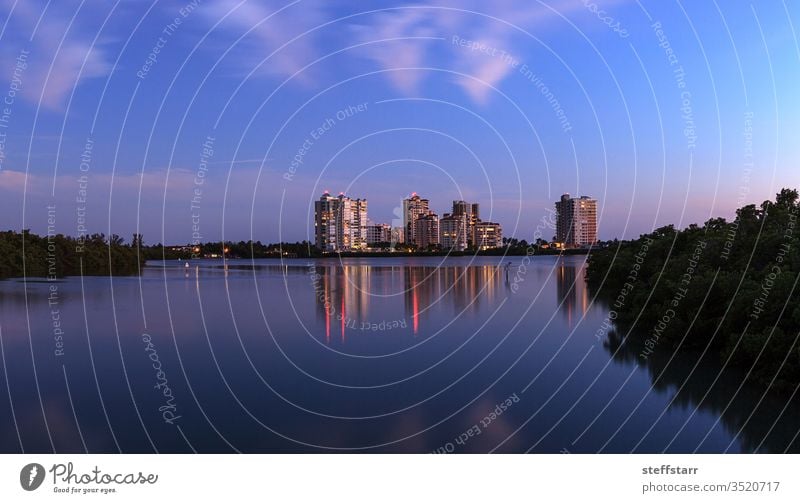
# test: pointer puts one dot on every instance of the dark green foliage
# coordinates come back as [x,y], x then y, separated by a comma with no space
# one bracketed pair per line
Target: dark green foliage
[740,299]
[61,255]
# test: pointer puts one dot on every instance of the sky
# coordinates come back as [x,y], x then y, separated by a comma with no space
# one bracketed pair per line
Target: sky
[227,119]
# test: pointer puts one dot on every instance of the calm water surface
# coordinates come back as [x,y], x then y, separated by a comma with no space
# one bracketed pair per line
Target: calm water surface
[376,355]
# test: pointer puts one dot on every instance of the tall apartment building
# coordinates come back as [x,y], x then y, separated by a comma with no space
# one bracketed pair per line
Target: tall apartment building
[379,233]
[576,221]
[487,235]
[325,214]
[426,230]
[413,208]
[398,235]
[453,231]
[340,223]
[471,212]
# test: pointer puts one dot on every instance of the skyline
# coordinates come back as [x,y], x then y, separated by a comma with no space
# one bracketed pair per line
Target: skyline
[342,223]
[509,106]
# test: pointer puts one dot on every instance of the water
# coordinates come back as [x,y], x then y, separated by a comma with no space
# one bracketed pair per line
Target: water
[366,355]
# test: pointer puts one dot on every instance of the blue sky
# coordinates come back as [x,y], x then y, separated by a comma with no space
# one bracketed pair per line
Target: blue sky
[509,105]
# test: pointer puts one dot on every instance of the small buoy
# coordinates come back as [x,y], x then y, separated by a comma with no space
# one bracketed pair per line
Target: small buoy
[186,265]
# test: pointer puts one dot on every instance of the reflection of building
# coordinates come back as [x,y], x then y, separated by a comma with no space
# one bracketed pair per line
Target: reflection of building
[462,287]
[576,221]
[453,232]
[571,291]
[426,230]
[351,295]
[469,286]
[342,294]
[487,235]
[378,233]
[421,290]
[413,208]
[340,223]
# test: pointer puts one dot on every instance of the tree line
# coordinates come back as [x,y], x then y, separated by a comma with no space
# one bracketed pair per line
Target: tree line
[726,287]
[100,255]
[24,254]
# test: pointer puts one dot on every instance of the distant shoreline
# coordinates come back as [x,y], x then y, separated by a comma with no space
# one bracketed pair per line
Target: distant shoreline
[493,253]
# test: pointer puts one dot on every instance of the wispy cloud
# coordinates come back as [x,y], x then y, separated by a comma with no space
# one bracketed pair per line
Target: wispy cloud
[59,36]
[270,28]
[58,49]
[12,181]
[476,23]
[398,39]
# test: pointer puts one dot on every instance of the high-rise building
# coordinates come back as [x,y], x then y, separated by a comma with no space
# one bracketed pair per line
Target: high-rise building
[379,233]
[426,230]
[453,231]
[398,235]
[351,225]
[471,212]
[413,208]
[340,223]
[325,215]
[487,235]
[576,221]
